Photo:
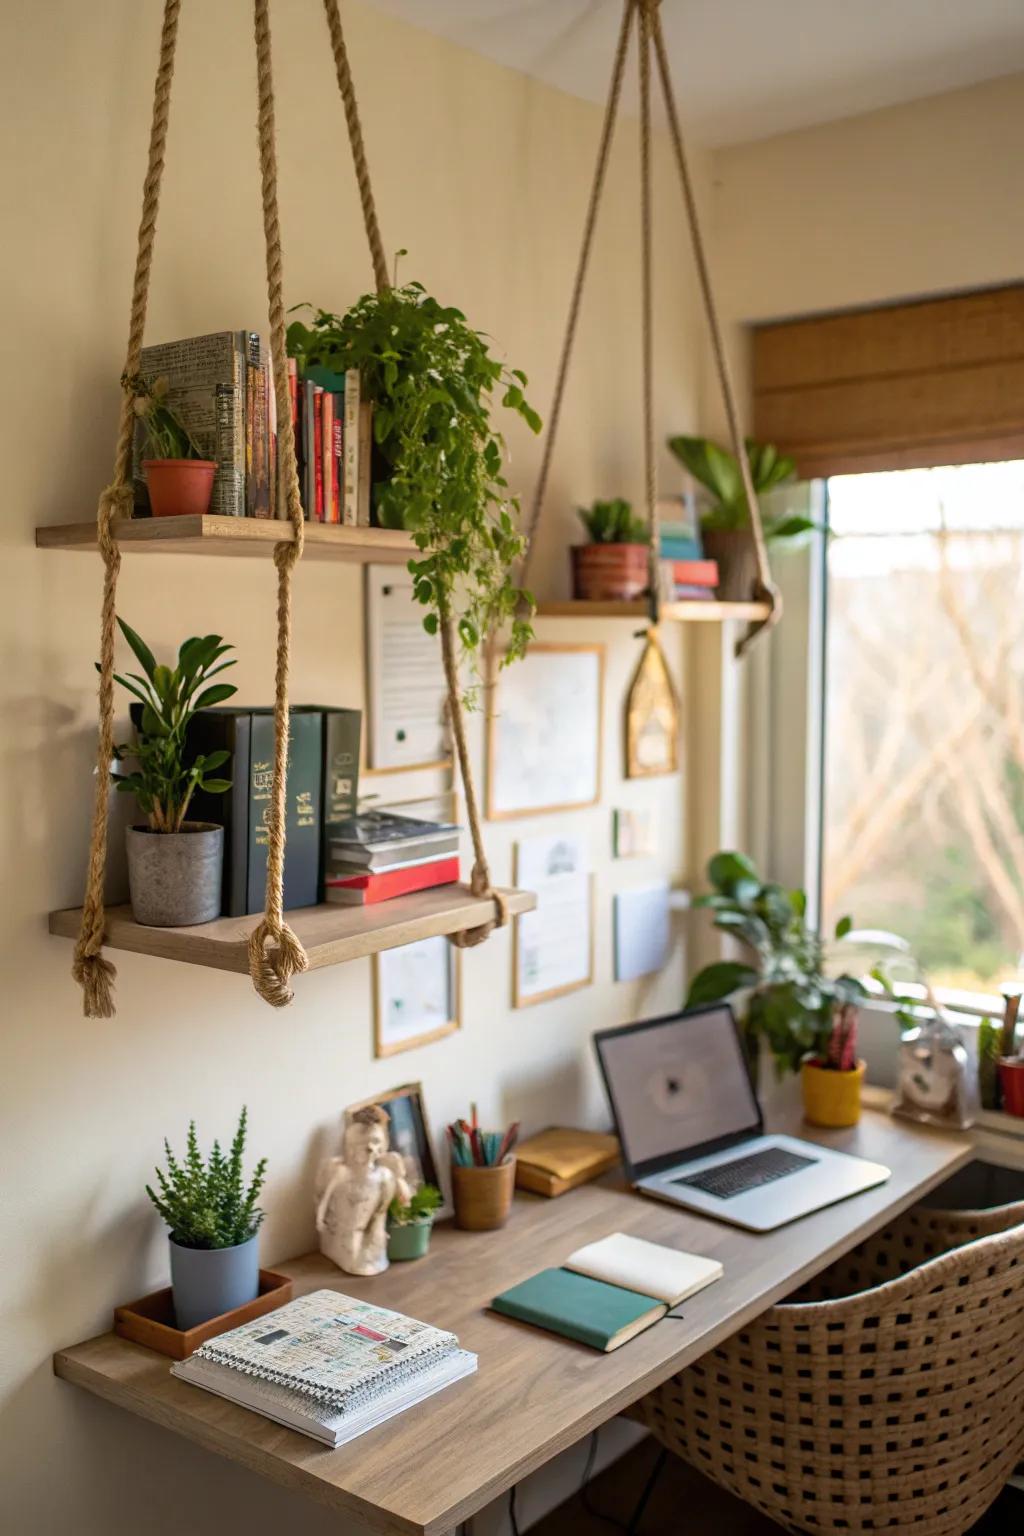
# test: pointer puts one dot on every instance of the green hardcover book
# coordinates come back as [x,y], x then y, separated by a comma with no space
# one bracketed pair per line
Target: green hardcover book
[590,1311]
[302,819]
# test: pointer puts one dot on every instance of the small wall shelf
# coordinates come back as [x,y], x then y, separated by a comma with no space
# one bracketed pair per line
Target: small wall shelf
[329,934]
[234,536]
[696,611]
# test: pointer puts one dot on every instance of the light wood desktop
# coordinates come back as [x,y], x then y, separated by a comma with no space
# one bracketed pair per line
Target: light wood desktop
[535,1393]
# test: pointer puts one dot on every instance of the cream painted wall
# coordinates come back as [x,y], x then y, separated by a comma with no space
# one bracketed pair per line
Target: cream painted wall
[482,175]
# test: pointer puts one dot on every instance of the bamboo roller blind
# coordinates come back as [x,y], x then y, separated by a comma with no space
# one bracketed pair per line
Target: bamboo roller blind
[940,381]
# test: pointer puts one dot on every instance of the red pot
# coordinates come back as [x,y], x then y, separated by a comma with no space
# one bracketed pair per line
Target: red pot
[609,572]
[1011,1080]
[178,487]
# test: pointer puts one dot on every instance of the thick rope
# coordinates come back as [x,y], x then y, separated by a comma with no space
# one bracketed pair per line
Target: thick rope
[582,265]
[767,591]
[355,138]
[480,880]
[93,972]
[272,969]
[647,314]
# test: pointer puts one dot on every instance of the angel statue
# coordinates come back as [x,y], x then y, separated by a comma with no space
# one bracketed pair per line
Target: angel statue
[354,1192]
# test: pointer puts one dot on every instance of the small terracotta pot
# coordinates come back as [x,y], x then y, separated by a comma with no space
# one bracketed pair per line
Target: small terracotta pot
[483,1196]
[1011,1080]
[831,1098]
[609,572]
[737,562]
[179,487]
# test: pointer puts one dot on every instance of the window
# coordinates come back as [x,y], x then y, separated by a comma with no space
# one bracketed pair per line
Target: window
[923,774]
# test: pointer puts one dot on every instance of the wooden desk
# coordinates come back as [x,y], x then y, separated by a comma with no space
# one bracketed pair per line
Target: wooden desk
[534,1394]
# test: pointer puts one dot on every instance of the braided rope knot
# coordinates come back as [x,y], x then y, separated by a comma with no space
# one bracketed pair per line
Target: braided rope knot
[272,970]
[480,885]
[116,500]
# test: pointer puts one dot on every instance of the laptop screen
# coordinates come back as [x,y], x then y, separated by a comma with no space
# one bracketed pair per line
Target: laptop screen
[677,1083]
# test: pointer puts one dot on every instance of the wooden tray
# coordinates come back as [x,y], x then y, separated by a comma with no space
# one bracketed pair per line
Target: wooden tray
[150,1320]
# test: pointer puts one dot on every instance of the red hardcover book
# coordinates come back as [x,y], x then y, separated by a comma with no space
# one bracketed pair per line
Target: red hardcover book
[318,450]
[364,890]
[695,573]
[327,451]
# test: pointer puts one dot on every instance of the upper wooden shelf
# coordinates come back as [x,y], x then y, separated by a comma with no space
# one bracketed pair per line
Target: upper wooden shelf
[234,536]
[329,934]
[695,611]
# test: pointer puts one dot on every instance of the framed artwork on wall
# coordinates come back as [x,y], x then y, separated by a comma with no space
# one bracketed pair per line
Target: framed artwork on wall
[553,946]
[416,995]
[544,726]
[652,716]
[405,686]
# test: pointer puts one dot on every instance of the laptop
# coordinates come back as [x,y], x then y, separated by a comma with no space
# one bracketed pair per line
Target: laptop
[692,1132]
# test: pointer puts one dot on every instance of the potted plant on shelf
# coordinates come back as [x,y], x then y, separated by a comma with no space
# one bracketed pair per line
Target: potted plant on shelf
[614,566]
[725,515]
[806,1017]
[409,1226]
[438,457]
[179,478]
[213,1221]
[174,865]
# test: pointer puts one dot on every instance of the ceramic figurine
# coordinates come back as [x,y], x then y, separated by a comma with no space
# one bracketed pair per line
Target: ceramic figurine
[354,1192]
[935,1085]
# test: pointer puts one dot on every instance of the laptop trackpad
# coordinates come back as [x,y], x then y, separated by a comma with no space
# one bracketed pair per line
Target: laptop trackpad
[741,1174]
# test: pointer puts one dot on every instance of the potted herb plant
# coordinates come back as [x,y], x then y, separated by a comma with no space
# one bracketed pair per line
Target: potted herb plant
[174,865]
[614,566]
[806,1017]
[725,515]
[438,457]
[179,479]
[409,1226]
[213,1221]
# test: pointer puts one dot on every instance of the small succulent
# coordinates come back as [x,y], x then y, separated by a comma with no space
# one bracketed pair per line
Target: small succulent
[205,1202]
[613,522]
[425,1201]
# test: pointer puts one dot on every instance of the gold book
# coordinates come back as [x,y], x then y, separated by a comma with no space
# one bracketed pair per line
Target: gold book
[559,1159]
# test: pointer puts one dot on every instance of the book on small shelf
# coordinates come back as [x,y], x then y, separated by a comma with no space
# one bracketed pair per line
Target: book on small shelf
[379,855]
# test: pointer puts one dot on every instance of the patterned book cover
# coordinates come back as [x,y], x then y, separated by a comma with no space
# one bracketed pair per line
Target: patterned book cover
[206,379]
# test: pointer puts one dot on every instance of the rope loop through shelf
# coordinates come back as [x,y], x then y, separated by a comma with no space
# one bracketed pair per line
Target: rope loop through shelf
[645,15]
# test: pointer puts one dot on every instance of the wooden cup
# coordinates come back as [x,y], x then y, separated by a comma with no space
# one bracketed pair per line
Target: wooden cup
[483,1196]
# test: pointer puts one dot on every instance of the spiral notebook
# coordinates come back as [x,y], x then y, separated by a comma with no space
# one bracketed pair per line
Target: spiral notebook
[328,1365]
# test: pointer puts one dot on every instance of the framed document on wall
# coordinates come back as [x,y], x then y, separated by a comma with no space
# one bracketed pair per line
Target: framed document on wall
[553,946]
[405,683]
[416,995]
[544,727]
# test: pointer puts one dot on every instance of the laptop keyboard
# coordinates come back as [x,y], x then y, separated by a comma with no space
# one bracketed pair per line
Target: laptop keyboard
[741,1174]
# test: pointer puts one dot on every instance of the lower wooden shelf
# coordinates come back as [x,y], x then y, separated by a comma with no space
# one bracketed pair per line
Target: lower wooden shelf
[693,611]
[330,934]
[210,535]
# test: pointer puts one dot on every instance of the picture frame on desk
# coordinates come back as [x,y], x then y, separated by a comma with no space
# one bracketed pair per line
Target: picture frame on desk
[408,1129]
[417,995]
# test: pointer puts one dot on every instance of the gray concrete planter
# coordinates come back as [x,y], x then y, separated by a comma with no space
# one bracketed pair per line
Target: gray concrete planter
[209,1281]
[175,877]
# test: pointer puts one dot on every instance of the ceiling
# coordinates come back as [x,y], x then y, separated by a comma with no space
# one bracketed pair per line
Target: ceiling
[746,69]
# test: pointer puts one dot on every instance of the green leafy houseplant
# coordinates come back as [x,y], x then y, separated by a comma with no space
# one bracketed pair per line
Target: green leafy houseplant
[795,1006]
[206,1202]
[166,778]
[424,1203]
[719,473]
[166,434]
[433,384]
[613,522]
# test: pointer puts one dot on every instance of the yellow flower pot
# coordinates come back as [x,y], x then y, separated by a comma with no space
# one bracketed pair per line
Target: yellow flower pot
[831,1098]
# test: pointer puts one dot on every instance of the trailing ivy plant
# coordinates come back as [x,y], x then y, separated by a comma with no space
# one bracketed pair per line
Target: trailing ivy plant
[206,1202]
[433,385]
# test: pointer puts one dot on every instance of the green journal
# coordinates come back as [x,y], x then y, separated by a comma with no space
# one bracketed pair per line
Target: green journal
[590,1311]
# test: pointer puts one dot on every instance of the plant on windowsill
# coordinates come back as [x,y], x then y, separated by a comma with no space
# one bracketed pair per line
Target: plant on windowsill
[613,567]
[439,458]
[174,865]
[725,515]
[213,1221]
[410,1225]
[806,1017]
[179,479]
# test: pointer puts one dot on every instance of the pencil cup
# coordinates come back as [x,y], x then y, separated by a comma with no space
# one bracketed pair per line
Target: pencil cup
[483,1196]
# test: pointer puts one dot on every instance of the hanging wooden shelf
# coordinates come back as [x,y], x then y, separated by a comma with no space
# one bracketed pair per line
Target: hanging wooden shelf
[234,536]
[695,611]
[329,934]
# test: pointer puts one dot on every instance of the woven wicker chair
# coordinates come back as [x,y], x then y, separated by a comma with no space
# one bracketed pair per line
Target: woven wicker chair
[886,1395]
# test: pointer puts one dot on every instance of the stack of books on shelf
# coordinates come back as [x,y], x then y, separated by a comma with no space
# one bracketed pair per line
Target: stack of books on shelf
[328,1365]
[684,573]
[379,855]
[221,386]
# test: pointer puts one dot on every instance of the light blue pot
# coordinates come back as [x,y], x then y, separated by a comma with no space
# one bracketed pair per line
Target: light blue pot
[209,1281]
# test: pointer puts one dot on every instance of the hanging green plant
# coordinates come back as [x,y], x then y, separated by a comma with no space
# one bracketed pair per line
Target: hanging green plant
[433,384]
